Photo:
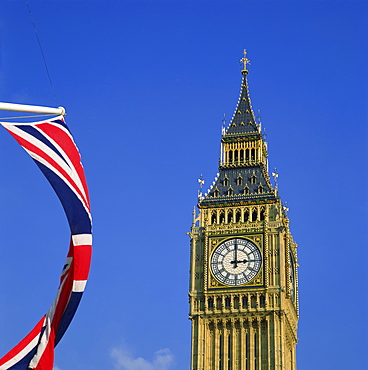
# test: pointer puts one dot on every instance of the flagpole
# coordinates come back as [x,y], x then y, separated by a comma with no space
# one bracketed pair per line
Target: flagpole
[32,109]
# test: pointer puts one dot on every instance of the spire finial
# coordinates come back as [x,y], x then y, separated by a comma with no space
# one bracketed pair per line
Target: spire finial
[223,128]
[275,176]
[201,182]
[245,62]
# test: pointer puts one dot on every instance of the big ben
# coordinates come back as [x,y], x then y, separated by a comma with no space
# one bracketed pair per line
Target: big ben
[243,266]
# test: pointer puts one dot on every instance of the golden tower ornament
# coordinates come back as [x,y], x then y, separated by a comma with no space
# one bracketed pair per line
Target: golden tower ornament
[245,61]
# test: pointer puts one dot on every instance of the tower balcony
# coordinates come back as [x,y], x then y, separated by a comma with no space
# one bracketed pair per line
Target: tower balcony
[236,303]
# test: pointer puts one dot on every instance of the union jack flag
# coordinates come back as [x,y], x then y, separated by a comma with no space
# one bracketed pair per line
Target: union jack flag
[52,147]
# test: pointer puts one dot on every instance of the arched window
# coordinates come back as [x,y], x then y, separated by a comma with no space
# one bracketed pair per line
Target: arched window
[230,216]
[246,216]
[227,302]
[216,193]
[218,303]
[247,350]
[260,189]
[230,192]
[244,301]
[236,302]
[262,301]
[253,154]
[222,217]
[239,180]
[253,179]
[226,181]
[262,216]
[238,215]
[246,190]
[253,301]
[229,352]
[214,218]
[254,214]
[210,302]
[247,154]
[221,353]
[255,351]
[236,156]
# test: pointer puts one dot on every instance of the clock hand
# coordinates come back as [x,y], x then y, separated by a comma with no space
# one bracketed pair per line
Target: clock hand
[235,255]
[235,263]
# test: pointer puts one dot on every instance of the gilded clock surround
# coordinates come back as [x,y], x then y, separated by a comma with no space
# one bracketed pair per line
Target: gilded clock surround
[215,243]
[251,326]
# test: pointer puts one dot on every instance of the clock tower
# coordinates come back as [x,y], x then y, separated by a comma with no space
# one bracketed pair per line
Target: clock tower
[243,266]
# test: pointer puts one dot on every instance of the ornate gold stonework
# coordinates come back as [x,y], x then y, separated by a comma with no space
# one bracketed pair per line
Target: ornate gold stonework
[236,326]
[245,61]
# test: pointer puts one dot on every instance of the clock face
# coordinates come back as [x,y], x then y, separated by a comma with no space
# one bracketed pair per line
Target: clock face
[236,262]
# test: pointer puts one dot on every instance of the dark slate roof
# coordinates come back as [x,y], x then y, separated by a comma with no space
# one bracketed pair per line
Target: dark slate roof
[228,179]
[257,189]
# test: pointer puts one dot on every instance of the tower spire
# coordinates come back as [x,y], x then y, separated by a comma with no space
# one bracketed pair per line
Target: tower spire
[243,170]
[243,121]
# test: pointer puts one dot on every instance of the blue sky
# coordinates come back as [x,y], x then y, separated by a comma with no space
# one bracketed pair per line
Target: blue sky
[145,85]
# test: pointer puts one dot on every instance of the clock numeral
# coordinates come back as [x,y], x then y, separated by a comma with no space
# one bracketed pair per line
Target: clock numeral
[220,249]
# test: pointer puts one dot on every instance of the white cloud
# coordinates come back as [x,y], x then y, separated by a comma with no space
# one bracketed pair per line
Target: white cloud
[125,361]
[56,368]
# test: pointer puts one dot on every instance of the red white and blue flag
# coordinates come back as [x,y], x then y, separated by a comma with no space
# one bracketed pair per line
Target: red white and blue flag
[52,147]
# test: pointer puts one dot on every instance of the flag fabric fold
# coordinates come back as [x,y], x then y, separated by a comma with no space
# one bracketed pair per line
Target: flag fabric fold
[52,147]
